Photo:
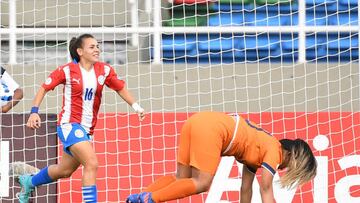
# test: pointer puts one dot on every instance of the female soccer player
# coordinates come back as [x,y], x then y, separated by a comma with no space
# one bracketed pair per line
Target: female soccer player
[207,136]
[83,81]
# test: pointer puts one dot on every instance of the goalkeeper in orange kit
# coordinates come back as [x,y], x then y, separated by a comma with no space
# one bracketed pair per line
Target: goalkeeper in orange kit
[207,136]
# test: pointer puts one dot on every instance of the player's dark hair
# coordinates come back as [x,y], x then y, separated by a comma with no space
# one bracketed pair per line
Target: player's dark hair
[75,43]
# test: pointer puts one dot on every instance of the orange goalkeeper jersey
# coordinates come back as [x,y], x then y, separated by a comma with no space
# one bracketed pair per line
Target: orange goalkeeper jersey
[206,136]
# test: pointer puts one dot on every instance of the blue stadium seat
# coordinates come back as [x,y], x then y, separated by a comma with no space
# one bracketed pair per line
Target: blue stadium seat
[226,19]
[217,6]
[312,19]
[256,18]
[261,47]
[342,47]
[343,42]
[267,19]
[351,3]
[344,19]
[216,48]
[315,47]
[278,8]
[329,6]
[179,45]
[217,42]
[315,18]
[319,2]
[347,5]
[289,47]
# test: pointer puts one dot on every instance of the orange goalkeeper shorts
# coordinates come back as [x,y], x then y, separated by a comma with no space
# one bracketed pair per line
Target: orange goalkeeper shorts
[203,138]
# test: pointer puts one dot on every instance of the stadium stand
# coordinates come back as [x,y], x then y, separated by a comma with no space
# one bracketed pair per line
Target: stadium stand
[240,47]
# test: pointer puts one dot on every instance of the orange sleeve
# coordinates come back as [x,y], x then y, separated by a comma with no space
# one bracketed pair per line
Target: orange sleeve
[272,159]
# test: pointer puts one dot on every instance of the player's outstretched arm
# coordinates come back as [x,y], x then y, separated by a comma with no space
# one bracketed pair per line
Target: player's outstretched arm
[34,120]
[126,96]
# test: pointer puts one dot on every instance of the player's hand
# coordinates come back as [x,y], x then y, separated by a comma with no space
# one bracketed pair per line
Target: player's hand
[141,115]
[139,110]
[34,121]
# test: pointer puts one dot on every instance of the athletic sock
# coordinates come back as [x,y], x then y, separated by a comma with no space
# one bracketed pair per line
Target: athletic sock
[178,189]
[89,194]
[41,178]
[160,183]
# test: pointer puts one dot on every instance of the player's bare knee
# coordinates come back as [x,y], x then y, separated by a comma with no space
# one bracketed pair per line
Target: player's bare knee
[67,173]
[202,185]
[91,164]
[59,171]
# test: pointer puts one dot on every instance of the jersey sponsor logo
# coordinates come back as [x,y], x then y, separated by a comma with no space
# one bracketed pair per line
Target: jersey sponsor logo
[48,81]
[77,80]
[101,79]
[79,133]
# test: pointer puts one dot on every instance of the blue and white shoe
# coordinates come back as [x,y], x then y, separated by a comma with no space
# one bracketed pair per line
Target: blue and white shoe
[145,197]
[26,188]
[133,198]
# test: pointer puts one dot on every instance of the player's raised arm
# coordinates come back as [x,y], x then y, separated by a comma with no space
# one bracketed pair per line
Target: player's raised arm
[114,82]
[126,96]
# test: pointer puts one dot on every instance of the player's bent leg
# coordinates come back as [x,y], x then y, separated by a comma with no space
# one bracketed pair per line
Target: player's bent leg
[160,183]
[183,171]
[85,154]
[202,180]
[65,168]
[178,189]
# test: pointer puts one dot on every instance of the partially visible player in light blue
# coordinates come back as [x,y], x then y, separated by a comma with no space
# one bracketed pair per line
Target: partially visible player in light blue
[10,91]
[83,80]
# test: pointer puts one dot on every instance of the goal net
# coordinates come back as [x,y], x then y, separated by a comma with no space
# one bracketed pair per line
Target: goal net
[292,67]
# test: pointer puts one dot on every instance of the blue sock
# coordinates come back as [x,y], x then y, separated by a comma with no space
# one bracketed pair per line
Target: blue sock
[89,193]
[41,178]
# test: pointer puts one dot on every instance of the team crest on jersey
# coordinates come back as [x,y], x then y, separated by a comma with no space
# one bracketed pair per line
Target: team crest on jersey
[48,81]
[101,79]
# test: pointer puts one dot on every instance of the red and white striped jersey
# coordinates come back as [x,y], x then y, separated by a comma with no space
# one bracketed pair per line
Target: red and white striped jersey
[82,91]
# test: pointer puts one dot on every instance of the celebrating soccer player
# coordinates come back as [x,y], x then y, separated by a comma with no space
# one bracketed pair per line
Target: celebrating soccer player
[83,79]
[207,136]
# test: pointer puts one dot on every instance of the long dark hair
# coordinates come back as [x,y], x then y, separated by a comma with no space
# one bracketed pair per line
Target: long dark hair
[75,43]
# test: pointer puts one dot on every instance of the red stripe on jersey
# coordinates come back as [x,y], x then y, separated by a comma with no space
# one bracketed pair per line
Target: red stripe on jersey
[99,70]
[76,93]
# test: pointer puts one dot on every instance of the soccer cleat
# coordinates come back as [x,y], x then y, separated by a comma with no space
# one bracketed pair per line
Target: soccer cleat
[26,188]
[145,197]
[133,198]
